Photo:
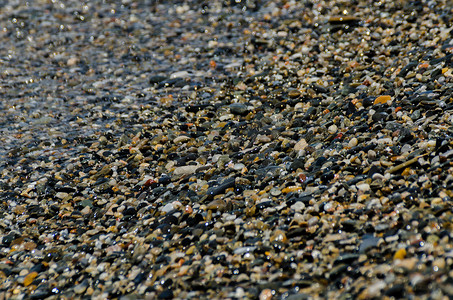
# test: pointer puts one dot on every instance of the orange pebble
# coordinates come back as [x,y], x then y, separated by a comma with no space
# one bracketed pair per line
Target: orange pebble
[188,209]
[382,99]
[290,189]
[29,278]
[400,254]
[425,65]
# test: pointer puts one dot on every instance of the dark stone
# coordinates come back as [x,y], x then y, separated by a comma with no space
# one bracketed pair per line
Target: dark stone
[156,79]
[317,164]
[346,259]
[380,116]
[167,294]
[239,109]
[368,101]
[397,291]
[410,66]
[319,89]
[213,191]
[6,241]
[130,211]
[296,164]
[368,242]
[375,169]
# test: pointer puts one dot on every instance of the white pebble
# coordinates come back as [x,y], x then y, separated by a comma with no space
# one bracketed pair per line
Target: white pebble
[353,142]
[332,129]
[298,206]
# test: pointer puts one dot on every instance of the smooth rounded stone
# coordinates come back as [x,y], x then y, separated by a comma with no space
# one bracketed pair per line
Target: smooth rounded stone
[28,279]
[157,79]
[298,206]
[406,263]
[353,142]
[239,109]
[279,236]
[293,93]
[266,294]
[167,208]
[382,99]
[223,160]
[369,242]
[81,288]
[262,139]
[439,263]
[371,154]
[181,139]
[185,170]
[275,192]
[180,74]
[364,187]
[220,189]
[312,221]
[238,167]
[332,129]
[218,205]
[242,250]
[400,254]
[300,145]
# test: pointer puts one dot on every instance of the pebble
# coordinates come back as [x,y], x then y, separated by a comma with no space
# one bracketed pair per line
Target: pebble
[185,170]
[29,278]
[400,254]
[382,99]
[301,145]
[354,142]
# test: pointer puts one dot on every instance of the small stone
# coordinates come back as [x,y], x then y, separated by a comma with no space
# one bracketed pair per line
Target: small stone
[290,189]
[293,93]
[371,154]
[279,236]
[407,263]
[72,61]
[301,145]
[181,139]
[382,99]
[266,294]
[185,170]
[217,205]
[298,206]
[239,109]
[29,278]
[343,19]
[262,139]
[275,192]
[80,288]
[400,254]
[364,187]
[332,129]
[168,207]
[180,74]
[353,142]
[439,263]
[30,246]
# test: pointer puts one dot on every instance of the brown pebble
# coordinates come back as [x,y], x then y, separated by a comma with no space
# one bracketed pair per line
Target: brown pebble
[30,246]
[29,278]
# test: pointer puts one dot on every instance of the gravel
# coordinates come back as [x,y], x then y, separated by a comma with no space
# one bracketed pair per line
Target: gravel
[226,150]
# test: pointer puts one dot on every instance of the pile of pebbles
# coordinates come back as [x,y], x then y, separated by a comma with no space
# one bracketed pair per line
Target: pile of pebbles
[226,149]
